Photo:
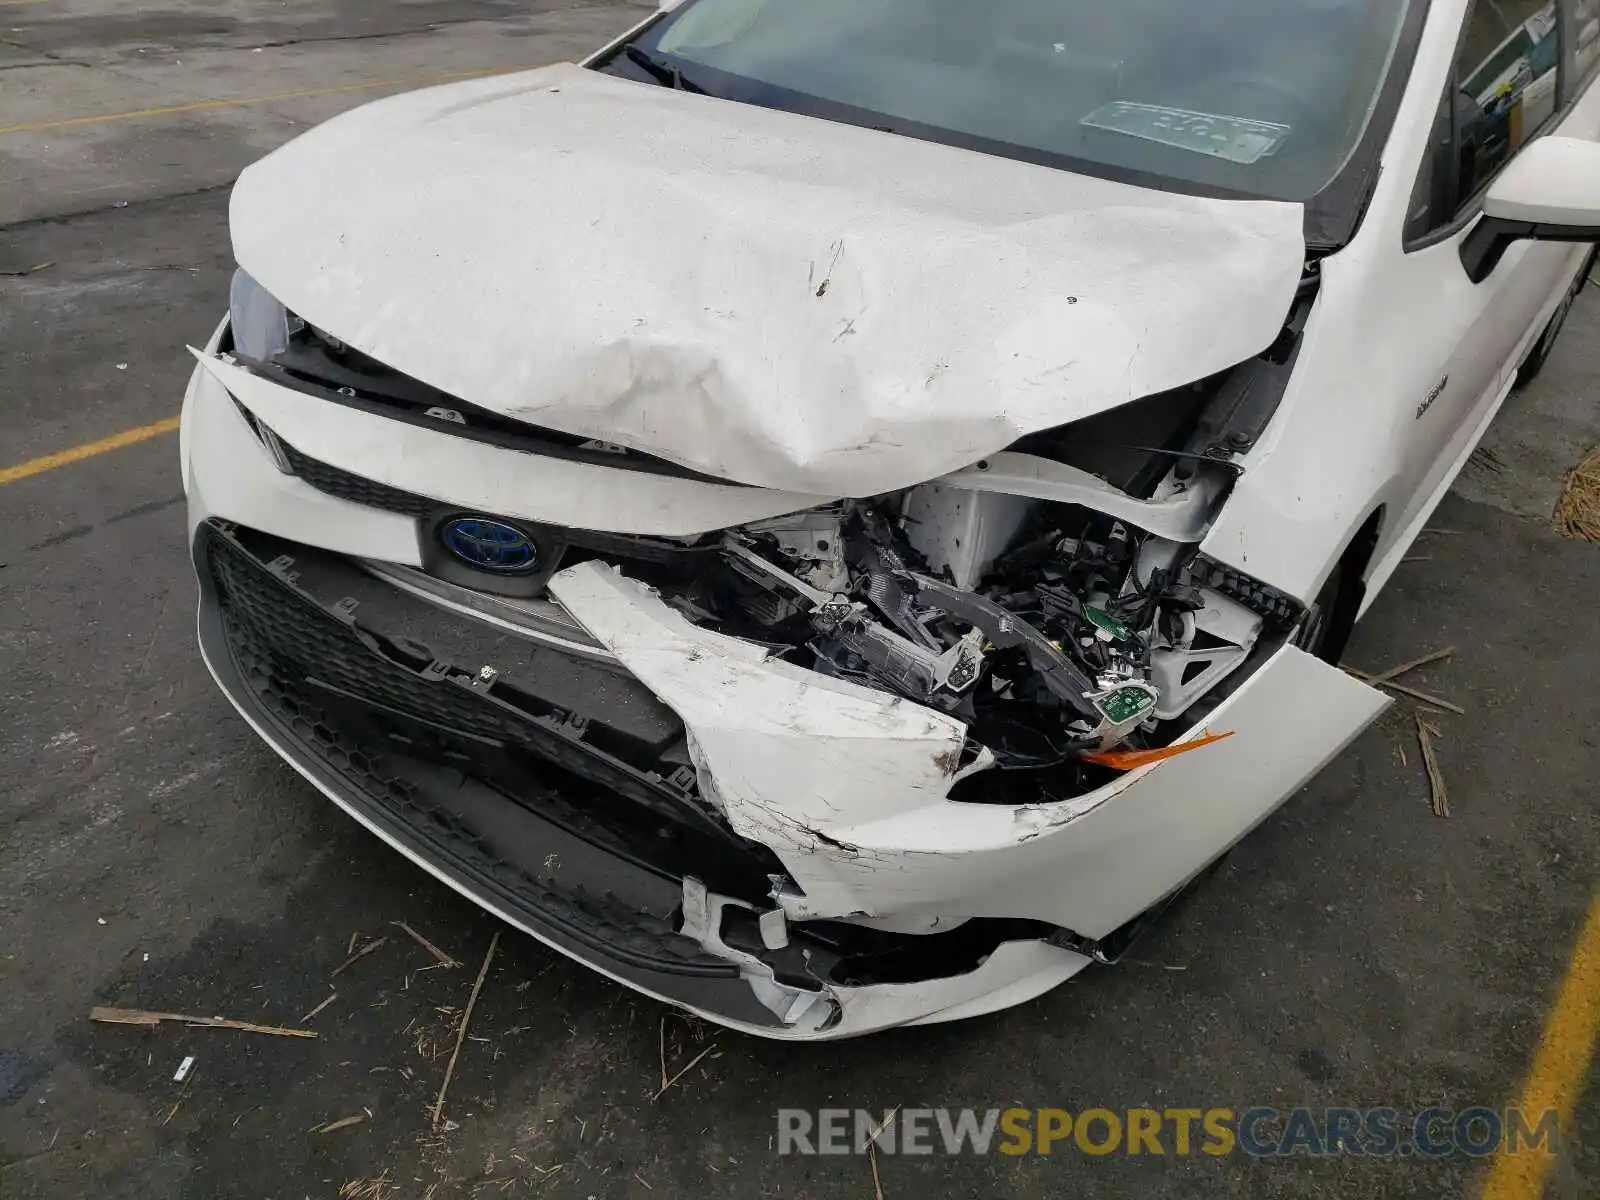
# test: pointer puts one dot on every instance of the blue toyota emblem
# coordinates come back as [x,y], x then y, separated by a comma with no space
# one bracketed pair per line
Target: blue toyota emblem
[490,545]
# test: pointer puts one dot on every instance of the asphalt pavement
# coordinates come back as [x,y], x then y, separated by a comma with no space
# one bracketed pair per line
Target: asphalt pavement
[1357,950]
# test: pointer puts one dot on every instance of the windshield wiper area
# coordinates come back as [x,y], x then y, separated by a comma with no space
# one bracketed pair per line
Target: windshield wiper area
[661,70]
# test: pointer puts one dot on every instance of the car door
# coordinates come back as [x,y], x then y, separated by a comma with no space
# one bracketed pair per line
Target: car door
[1517,76]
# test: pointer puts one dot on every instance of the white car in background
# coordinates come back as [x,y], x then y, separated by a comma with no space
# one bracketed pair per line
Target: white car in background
[833,514]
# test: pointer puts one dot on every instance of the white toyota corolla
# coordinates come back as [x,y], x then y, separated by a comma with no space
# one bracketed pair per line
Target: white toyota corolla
[833,513]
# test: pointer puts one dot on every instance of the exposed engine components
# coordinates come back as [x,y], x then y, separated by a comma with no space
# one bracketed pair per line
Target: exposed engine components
[1059,632]
[1203,649]
[1122,710]
[848,633]
[1082,635]
[812,545]
[1006,630]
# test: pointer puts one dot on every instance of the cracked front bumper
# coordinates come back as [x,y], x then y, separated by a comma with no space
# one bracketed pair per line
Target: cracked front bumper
[848,786]
[534,863]
[841,789]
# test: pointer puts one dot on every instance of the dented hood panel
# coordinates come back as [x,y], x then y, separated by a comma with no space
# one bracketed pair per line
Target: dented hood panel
[766,297]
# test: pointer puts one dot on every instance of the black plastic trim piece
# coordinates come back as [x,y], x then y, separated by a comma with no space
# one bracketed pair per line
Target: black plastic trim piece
[342,485]
[503,432]
[414,680]
[1486,245]
[555,909]
[1249,396]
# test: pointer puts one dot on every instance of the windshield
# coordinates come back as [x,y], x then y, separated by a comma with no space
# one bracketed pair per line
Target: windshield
[1260,97]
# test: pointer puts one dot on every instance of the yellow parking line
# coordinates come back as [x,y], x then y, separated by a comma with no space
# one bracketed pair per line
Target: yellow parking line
[62,458]
[168,110]
[1560,1068]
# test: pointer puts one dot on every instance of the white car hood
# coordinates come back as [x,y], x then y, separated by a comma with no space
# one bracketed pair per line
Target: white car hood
[761,296]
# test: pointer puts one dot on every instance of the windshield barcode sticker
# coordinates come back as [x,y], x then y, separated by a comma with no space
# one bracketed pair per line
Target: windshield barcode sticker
[1237,139]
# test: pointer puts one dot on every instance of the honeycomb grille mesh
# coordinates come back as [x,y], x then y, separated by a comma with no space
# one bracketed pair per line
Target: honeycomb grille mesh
[296,640]
[336,482]
[278,640]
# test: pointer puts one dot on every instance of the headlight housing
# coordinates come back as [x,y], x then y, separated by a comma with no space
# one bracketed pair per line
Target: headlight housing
[261,325]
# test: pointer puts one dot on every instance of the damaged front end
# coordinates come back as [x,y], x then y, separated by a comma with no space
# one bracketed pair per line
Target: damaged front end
[1052,597]
[1083,635]
[870,762]
[1068,641]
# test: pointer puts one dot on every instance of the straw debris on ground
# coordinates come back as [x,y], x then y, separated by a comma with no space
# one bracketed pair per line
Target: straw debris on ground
[439,956]
[872,1152]
[1427,732]
[342,1123]
[140,1016]
[358,955]
[1389,679]
[1578,511]
[1438,796]
[381,1188]
[461,1031]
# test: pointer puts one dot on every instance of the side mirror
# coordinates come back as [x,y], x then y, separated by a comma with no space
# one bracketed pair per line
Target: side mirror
[1550,192]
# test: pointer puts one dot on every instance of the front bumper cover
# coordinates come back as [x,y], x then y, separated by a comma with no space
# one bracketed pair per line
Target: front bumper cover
[427,761]
[844,787]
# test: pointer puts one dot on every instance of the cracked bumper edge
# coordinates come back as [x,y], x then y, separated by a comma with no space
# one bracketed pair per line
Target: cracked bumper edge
[1014,973]
[227,476]
[848,786]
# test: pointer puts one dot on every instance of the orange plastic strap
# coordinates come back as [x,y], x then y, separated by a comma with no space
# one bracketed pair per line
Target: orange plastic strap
[1130,760]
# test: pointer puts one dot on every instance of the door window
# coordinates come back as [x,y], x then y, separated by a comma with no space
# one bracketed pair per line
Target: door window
[1502,92]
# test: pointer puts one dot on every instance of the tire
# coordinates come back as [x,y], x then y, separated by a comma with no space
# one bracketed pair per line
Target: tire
[1534,363]
[1332,616]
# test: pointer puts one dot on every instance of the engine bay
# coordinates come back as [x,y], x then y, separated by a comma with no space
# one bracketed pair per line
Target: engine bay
[1070,642]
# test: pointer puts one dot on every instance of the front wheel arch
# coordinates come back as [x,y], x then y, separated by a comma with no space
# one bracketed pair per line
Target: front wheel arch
[1534,363]
[1344,591]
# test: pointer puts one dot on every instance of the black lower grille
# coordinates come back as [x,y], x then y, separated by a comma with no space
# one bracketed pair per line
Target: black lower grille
[628,929]
[593,768]
[501,798]
[297,636]
[626,910]
[345,486]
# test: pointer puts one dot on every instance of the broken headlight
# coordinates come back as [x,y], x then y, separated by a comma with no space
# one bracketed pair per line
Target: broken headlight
[261,325]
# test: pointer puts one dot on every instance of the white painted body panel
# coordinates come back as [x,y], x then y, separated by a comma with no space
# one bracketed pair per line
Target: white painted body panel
[756,295]
[1014,974]
[1556,181]
[847,785]
[1389,327]
[721,349]
[514,483]
[227,473]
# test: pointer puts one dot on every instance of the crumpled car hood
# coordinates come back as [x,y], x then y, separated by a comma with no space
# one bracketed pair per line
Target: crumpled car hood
[760,296]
